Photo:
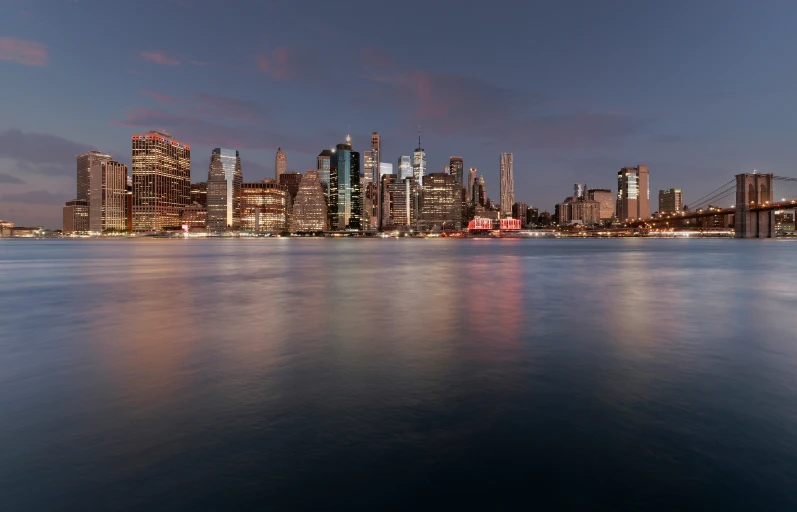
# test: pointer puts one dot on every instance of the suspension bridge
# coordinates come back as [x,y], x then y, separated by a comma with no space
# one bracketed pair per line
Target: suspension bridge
[754,199]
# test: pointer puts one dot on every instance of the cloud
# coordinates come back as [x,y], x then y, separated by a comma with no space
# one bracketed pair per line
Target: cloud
[42,197]
[9,179]
[159,57]
[40,153]
[159,96]
[227,107]
[22,51]
[454,104]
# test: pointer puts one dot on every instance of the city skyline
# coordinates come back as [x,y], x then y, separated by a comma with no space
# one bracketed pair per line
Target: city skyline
[694,118]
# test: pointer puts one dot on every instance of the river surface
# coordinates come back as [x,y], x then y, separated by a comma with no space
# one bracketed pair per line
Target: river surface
[279,374]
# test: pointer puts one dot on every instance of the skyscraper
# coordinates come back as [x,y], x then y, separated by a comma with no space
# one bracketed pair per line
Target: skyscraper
[399,202]
[84,163]
[456,168]
[404,167]
[441,202]
[471,181]
[310,208]
[370,164]
[76,216]
[633,193]
[108,196]
[670,201]
[479,192]
[419,162]
[161,180]
[344,187]
[507,184]
[280,164]
[224,190]
[376,145]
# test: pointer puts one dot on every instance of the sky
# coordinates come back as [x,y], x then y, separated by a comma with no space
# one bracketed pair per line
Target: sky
[698,91]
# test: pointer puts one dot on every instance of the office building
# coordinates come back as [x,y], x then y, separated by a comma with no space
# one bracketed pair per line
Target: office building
[107,196]
[670,201]
[280,164]
[532,216]
[507,184]
[84,164]
[310,207]
[578,208]
[199,193]
[76,217]
[129,204]
[471,181]
[633,193]
[264,207]
[224,190]
[441,203]
[291,180]
[400,202]
[456,168]
[194,217]
[404,167]
[520,211]
[419,162]
[606,199]
[344,188]
[369,203]
[385,168]
[479,192]
[376,147]
[161,180]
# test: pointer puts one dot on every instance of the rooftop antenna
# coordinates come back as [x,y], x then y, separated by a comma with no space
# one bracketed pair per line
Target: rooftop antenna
[419,136]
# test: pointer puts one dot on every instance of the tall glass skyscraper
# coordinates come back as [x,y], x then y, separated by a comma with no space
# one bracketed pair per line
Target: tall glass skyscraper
[344,187]
[507,185]
[84,163]
[456,168]
[471,181]
[224,190]
[633,193]
[404,167]
[161,180]
[419,162]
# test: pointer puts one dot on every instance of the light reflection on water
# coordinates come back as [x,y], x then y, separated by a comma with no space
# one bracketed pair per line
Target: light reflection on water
[167,374]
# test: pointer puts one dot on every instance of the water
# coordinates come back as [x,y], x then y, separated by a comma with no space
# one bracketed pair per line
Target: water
[347,374]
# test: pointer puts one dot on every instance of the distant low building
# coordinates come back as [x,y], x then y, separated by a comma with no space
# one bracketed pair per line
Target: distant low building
[195,217]
[76,217]
[577,209]
[7,228]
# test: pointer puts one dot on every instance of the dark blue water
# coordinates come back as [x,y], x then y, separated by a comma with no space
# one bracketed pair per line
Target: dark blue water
[398,374]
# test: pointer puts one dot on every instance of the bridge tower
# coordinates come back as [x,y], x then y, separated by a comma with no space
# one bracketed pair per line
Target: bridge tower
[752,191]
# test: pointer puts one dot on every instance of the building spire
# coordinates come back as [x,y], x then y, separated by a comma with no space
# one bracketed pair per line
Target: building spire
[419,136]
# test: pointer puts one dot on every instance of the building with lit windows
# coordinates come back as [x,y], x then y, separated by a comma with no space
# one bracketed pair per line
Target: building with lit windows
[507,184]
[456,168]
[633,193]
[194,217]
[520,211]
[199,193]
[224,190]
[84,164]
[370,163]
[400,203]
[108,196]
[471,181]
[606,199]
[76,216]
[280,164]
[419,162]
[441,203]
[310,206]
[264,207]
[479,192]
[670,201]
[344,188]
[578,209]
[161,180]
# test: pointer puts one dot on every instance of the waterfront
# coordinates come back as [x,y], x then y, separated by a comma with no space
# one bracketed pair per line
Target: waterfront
[375,374]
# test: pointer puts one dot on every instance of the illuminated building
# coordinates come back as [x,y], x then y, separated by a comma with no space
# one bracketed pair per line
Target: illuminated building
[264,207]
[532,215]
[376,146]
[419,162]
[195,217]
[129,204]
[577,209]
[76,216]
[323,163]
[479,196]
[199,193]
[7,227]
[670,201]
[290,181]
[507,184]
[84,164]
[441,203]
[606,199]
[310,207]
[404,167]
[784,220]
[108,196]
[520,212]
[161,180]
[370,163]
[224,190]
[456,168]
[344,188]
[399,202]
[471,181]
[368,203]
[385,168]
[280,164]
[633,193]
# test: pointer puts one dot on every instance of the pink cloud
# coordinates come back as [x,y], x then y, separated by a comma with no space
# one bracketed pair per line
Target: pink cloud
[159,58]
[279,63]
[22,51]
[159,96]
